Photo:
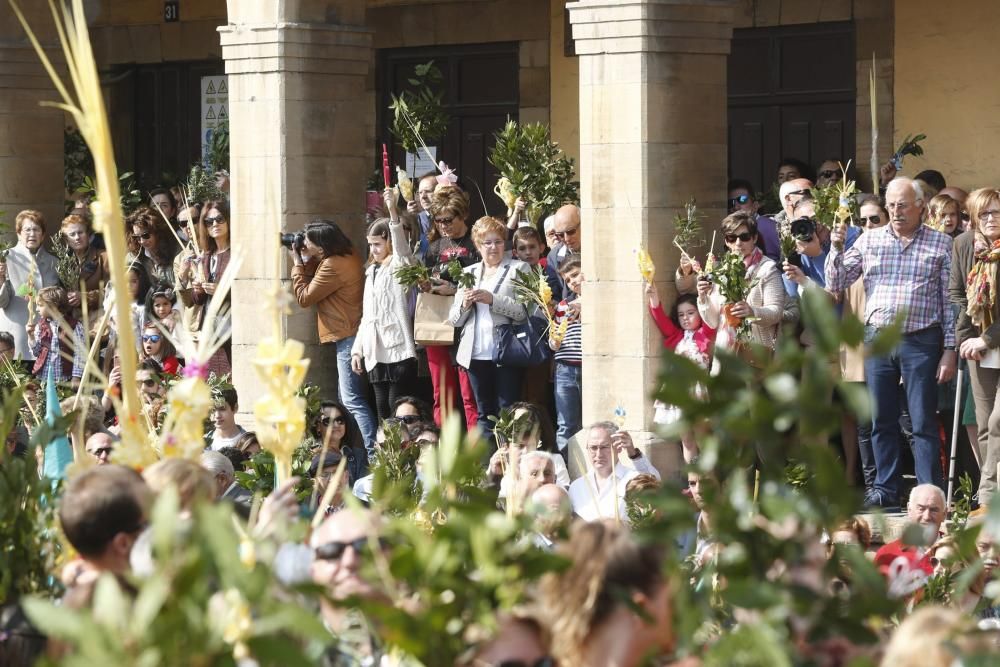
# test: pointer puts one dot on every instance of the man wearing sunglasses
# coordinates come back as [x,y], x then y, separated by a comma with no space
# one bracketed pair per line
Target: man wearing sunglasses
[568,232]
[741,198]
[341,545]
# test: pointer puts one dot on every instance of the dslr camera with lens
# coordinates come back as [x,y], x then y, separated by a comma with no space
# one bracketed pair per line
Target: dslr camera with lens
[294,240]
[803,229]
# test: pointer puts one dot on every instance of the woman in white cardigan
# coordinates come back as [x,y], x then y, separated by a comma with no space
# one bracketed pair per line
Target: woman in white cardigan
[480,308]
[384,344]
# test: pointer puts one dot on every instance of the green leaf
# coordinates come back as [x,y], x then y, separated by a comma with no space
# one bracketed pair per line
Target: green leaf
[55,620]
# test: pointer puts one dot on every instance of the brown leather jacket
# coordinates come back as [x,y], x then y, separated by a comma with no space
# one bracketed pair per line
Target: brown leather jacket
[336,287]
[94,273]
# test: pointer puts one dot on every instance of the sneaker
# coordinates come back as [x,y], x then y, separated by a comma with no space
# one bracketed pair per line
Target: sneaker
[876,502]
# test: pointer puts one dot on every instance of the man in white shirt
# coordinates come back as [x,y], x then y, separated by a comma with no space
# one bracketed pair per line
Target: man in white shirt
[600,494]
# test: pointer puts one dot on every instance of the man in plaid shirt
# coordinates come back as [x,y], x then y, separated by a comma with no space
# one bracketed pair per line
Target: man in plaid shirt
[905,266]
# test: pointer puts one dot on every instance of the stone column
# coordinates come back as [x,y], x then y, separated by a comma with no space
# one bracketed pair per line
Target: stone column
[31,136]
[652,134]
[299,118]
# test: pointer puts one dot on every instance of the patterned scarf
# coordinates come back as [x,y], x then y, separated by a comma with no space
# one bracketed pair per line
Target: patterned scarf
[753,259]
[981,283]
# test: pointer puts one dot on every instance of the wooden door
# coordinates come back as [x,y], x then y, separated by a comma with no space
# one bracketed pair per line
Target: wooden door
[480,93]
[791,94]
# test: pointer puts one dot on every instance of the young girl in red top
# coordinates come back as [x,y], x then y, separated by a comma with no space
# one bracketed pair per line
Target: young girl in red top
[686,334]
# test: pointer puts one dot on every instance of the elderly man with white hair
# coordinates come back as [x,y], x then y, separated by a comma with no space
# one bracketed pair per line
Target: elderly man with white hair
[600,494]
[227,488]
[905,268]
[927,510]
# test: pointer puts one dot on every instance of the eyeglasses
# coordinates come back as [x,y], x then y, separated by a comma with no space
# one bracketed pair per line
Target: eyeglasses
[733,238]
[737,201]
[568,232]
[492,243]
[101,451]
[871,220]
[409,420]
[444,221]
[986,215]
[831,173]
[336,550]
[151,338]
[326,421]
[599,448]
[145,236]
[215,220]
[796,193]
[895,205]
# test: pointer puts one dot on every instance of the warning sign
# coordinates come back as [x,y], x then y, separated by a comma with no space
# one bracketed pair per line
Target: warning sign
[214,107]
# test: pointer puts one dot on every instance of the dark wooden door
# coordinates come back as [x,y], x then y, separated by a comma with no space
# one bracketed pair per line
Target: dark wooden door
[791,94]
[480,93]
[157,118]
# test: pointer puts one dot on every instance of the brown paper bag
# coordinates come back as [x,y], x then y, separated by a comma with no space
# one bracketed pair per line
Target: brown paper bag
[430,325]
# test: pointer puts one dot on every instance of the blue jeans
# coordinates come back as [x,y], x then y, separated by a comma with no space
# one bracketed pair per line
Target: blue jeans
[351,388]
[569,402]
[495,387]
[915,360]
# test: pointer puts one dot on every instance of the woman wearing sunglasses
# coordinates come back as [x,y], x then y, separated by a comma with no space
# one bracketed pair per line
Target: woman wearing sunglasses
[215,244]
[449,240]
[333,426]
[151,244]
[156,348]
[764,302]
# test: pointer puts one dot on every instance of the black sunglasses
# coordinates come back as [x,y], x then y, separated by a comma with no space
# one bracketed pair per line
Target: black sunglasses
[541,662]
[736,201]
[733,238]
[149,382]
[102,450]
[871,220]
[335,550]
[326,421]
[145,236]
[214,219]
[409,420]
[830,173]
[444,221]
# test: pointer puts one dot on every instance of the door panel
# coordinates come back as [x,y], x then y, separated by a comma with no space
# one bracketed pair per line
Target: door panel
[480,93]
[791,94]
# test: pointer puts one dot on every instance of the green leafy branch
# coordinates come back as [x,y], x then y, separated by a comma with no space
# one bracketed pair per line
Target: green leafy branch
[418,113]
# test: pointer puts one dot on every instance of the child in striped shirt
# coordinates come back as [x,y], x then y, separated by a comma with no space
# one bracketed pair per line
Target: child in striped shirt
[566,339]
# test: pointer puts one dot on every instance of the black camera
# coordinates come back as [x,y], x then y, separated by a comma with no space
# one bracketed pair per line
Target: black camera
[803,229]
[294,241]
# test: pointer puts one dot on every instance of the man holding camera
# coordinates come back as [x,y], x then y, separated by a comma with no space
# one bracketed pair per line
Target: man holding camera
[812,245]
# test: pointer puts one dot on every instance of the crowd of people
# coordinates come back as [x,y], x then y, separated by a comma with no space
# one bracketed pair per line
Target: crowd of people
[461,338]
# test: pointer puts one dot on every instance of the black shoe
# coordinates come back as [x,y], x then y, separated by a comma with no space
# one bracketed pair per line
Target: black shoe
[876,502]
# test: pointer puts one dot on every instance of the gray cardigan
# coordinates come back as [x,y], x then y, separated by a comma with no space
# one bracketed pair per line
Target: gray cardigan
[14,308]
[504,309]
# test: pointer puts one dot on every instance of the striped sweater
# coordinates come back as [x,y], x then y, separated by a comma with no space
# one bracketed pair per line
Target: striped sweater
[570,351]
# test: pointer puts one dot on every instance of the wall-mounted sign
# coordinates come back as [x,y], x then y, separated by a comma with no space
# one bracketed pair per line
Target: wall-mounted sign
[214,108]
[171,11]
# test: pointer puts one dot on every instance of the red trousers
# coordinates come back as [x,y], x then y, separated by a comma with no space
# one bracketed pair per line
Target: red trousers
[447,380]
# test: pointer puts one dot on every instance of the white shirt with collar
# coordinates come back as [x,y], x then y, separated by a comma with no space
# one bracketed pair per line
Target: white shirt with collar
[593,501]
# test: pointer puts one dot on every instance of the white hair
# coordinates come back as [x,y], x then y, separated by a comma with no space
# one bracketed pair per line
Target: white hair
[218,464]
[901,181]
[549,223]
[535,455]
[610,427]
[927,487]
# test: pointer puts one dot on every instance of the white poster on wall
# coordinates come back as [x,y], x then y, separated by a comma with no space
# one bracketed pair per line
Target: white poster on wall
[214,108]
[421,163]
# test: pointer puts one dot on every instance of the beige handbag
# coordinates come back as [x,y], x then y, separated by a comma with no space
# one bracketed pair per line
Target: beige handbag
[430,320]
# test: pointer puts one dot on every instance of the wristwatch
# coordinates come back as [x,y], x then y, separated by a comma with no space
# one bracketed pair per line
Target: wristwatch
[637,455]
[950,348]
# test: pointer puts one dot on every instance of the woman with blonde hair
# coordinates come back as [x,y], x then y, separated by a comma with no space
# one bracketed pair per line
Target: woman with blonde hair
[383,347]
[612,605]
[973,287]
[478,310]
